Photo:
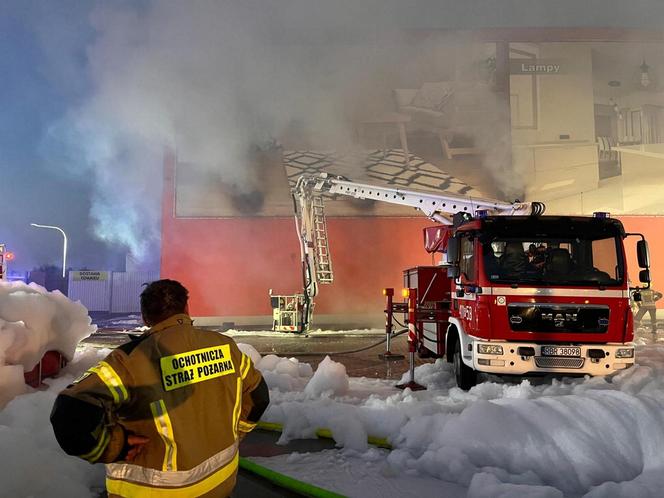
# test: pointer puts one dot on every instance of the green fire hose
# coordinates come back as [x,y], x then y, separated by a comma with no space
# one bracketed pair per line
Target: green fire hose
[287,482]
[290,483]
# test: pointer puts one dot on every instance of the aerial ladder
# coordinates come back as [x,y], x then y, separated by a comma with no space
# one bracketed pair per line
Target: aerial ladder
[311,225]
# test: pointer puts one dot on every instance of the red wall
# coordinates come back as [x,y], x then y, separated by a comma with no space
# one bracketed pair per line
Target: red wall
[653,229]
[229,264]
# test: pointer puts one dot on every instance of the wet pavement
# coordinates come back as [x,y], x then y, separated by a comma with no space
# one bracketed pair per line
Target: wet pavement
[317,345]
[353,349]
[260,443]
[251,485]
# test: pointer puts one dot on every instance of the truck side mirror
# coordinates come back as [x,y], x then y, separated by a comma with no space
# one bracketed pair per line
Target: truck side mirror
[453,251]
[644,276]
[643,255]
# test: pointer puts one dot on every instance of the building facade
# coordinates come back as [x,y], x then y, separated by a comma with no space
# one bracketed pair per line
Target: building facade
[573,117]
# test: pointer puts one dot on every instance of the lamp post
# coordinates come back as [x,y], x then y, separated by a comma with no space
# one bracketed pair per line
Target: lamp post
[64,245]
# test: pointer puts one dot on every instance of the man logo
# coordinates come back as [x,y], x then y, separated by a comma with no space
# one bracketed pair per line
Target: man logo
[559,319]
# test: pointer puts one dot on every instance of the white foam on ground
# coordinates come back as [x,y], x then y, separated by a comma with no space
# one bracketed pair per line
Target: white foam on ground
[33,321]
[280,374]
[33,464]
[593,437]
[329,380]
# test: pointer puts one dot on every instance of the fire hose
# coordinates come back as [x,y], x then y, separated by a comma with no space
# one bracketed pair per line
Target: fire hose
[286,482]
[333,353]
[290,483]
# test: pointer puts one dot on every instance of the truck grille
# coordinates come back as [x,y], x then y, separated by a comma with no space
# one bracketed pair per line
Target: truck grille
[558,362]
[556,318]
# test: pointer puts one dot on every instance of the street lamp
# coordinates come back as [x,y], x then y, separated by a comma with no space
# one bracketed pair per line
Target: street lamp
[64,245]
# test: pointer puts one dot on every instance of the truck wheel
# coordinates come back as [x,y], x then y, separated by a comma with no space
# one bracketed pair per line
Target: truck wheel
[466,377]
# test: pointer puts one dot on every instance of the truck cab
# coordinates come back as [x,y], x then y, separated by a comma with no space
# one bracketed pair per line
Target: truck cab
[538,295]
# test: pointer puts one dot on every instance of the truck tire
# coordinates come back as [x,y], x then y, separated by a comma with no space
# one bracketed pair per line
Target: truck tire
[466,377]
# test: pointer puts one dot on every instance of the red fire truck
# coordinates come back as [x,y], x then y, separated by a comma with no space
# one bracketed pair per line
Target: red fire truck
[516,292]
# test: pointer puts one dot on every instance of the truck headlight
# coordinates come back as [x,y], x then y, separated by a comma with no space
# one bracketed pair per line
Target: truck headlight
[489,349]
[625,353]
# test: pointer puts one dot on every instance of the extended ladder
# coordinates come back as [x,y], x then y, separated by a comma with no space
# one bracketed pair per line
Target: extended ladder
[323,263]
[311,225]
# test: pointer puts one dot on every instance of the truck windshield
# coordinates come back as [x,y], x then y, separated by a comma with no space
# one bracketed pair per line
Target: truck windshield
[555,261]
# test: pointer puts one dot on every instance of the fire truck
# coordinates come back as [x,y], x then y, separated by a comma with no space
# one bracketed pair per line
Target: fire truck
[515,293]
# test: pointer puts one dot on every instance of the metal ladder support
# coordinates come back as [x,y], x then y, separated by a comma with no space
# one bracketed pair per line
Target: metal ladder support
[324,274]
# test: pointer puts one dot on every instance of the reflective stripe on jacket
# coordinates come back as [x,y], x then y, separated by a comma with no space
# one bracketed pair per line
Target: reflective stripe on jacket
[648,298]
[188,390]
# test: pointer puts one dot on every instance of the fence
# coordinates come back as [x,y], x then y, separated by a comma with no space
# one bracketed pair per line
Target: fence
[116,292]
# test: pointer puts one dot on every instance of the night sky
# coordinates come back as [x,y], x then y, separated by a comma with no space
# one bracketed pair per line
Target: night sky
[42,62]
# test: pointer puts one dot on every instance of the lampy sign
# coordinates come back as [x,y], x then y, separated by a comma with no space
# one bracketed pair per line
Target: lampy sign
[535,66]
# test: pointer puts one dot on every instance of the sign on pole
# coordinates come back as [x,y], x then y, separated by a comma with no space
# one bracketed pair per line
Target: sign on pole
[89,275]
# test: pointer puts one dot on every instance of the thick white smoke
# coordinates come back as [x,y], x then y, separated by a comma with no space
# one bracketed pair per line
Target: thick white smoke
[214,79]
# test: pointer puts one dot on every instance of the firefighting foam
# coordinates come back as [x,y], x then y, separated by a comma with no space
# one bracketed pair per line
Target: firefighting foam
[453,439]
[33,321]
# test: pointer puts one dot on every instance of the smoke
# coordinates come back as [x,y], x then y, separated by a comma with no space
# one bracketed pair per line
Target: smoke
[214,80]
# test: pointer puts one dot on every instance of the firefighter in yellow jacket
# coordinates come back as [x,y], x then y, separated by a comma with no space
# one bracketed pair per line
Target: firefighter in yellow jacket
[648,304]
[165,411]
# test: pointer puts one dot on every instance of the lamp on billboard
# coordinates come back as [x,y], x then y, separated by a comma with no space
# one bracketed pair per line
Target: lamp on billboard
[645,75]
[64,244]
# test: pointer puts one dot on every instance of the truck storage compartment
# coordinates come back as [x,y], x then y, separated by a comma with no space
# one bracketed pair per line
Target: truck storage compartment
[433,304]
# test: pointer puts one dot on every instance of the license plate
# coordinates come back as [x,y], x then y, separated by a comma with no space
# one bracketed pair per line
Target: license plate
[561,351]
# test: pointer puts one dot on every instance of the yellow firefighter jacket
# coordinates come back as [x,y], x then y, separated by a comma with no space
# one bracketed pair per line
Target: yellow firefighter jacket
[649,298]
[190,391]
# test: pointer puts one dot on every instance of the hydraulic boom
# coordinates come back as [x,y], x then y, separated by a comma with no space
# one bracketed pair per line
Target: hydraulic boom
[312,227]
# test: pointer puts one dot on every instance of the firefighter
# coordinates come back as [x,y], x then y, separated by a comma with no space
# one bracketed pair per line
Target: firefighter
[514,260]
[649,298]
[165,411]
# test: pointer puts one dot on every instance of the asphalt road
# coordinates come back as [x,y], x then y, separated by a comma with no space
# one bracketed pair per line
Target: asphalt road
[263,444]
